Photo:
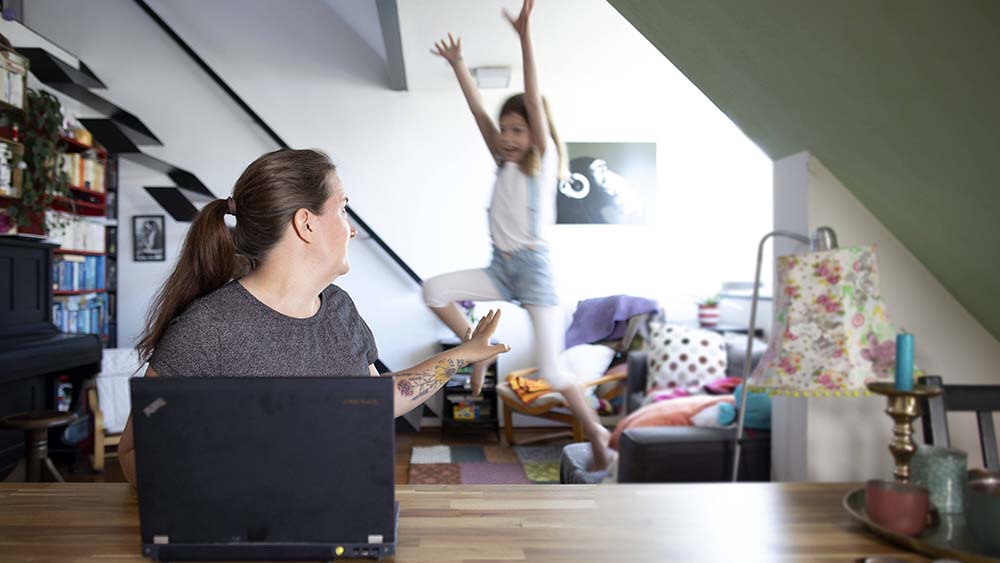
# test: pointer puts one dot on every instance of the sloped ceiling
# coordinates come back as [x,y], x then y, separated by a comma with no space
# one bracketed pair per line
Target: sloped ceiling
[900,99]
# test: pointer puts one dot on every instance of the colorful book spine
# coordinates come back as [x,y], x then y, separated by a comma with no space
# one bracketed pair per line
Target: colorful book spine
[81,314]
[72,272]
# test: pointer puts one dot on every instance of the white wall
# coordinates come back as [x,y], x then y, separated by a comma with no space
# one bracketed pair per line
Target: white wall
[949,341]
[412,162]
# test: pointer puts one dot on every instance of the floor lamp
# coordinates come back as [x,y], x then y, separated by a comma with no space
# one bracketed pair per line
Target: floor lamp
[831,334]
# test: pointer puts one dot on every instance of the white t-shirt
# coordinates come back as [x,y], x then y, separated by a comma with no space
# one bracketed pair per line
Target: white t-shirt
[524,207]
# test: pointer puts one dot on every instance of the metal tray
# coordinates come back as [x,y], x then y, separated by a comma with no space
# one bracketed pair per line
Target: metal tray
[948,537]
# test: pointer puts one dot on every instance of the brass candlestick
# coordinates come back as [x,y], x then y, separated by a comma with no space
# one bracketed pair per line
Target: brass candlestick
[904,408]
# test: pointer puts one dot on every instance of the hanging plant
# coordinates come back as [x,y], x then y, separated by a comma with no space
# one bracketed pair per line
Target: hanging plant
[44,178]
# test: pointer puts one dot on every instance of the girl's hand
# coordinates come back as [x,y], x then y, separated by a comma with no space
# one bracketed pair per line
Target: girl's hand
[477,345]
[521,23]
[449,50]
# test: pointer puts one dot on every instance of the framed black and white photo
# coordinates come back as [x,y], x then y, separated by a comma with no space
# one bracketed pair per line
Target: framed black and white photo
[610,183]
[148,238]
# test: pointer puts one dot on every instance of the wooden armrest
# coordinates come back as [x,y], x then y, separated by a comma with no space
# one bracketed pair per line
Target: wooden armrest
[92,400]
[521,373]
[95,407]
[606,379]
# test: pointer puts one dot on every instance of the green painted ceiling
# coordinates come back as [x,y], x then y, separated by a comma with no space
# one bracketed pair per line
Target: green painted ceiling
[900,99]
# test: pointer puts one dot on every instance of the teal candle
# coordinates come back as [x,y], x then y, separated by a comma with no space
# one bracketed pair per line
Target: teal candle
[904,361]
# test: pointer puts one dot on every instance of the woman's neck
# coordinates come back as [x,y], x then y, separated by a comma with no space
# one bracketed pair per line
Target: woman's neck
[286,289]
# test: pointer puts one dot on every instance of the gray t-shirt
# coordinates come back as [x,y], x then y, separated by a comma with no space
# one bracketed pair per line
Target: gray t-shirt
[230,333]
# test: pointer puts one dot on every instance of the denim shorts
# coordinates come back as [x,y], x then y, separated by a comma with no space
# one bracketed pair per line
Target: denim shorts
[523,276]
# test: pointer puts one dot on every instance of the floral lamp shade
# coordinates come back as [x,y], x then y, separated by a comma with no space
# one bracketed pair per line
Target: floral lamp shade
[832,334]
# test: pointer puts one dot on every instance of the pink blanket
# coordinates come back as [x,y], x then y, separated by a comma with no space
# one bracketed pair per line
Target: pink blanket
[675,412]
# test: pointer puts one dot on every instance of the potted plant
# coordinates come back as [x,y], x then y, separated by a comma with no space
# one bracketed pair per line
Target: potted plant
[44,179]
[708,311]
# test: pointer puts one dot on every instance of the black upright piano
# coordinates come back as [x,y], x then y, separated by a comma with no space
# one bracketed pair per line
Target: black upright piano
[33,353]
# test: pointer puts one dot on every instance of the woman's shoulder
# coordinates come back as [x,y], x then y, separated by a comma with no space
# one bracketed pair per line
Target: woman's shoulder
[190,345]
[338,298]
[229,297]
[217,308]
[198,317]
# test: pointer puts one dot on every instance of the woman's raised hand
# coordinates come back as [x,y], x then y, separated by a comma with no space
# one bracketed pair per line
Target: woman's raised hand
[450,50]
[480,352]
[477,341]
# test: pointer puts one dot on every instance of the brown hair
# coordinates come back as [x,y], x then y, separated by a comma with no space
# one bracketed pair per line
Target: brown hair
[266,197]
[532,159]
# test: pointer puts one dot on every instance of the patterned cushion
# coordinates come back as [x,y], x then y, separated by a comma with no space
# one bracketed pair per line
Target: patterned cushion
[684,357]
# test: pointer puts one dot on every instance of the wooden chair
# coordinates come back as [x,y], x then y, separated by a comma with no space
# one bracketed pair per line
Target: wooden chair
[984,400]
[108,401]
[553,407]
[102,440]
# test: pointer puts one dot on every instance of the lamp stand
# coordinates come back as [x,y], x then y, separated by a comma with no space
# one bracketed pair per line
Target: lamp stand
[903,408]
[823,239]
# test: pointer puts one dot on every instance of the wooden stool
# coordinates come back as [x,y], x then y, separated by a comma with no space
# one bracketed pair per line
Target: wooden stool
[36,426]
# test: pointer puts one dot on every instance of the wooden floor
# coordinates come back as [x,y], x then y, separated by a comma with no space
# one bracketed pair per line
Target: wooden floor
[404,447]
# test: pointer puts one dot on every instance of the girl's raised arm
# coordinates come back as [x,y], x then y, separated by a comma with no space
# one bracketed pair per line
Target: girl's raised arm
[532,95]
[451,51]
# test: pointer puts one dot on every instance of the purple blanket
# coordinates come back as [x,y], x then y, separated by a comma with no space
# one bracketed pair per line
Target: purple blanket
[605,318]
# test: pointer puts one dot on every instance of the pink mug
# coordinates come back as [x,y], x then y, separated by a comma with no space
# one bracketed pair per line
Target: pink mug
[900,507]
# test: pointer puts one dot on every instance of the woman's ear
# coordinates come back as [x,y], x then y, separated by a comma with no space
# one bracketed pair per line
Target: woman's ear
[301,224]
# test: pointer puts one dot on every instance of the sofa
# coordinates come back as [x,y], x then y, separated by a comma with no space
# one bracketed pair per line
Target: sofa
[677,454]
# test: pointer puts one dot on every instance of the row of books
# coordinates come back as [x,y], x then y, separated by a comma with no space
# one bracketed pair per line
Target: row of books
[74,273]
[7,167]
[84,171]
[73,232]
[81,314]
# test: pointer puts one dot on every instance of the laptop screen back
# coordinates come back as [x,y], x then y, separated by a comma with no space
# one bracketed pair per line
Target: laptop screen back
[264,459]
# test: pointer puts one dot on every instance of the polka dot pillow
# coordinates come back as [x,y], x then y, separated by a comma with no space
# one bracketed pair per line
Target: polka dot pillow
[685,358]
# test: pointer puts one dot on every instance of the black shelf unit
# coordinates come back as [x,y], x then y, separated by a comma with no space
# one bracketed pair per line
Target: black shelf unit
[111,249]
[489,411]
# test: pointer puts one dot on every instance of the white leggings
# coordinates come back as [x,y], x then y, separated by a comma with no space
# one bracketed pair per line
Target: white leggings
[476,285]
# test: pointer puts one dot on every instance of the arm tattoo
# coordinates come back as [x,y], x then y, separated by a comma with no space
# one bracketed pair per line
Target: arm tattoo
[417,384]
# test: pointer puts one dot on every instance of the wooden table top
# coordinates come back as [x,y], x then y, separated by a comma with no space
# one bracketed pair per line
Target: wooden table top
[89,522]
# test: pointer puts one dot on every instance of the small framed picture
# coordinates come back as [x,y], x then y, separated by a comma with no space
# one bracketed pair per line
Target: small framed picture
[148,238]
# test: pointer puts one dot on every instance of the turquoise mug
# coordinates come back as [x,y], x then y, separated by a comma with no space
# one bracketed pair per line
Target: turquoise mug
[942,471]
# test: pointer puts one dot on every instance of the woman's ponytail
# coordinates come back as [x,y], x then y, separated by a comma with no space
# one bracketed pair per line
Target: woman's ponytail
[208,260]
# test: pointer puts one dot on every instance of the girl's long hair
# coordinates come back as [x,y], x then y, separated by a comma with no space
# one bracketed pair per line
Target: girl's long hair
[533,159]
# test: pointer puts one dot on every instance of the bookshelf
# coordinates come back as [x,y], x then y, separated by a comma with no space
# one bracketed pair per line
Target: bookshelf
[76,291]
[13,100]
[111,248]
[10,174]
[84,267]
[464,413]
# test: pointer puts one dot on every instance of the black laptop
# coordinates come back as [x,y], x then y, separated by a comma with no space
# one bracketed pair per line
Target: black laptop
[265,468]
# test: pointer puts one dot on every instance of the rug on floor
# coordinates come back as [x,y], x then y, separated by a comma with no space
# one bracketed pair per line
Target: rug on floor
[484,465]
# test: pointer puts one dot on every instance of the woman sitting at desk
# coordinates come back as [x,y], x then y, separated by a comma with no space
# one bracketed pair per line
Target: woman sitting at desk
[259,301]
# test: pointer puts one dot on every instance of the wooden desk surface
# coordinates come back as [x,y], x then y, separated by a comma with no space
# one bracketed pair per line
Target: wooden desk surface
[89,522]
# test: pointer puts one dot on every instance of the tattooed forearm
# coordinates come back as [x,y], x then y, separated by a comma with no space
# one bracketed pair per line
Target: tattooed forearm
[420,383]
